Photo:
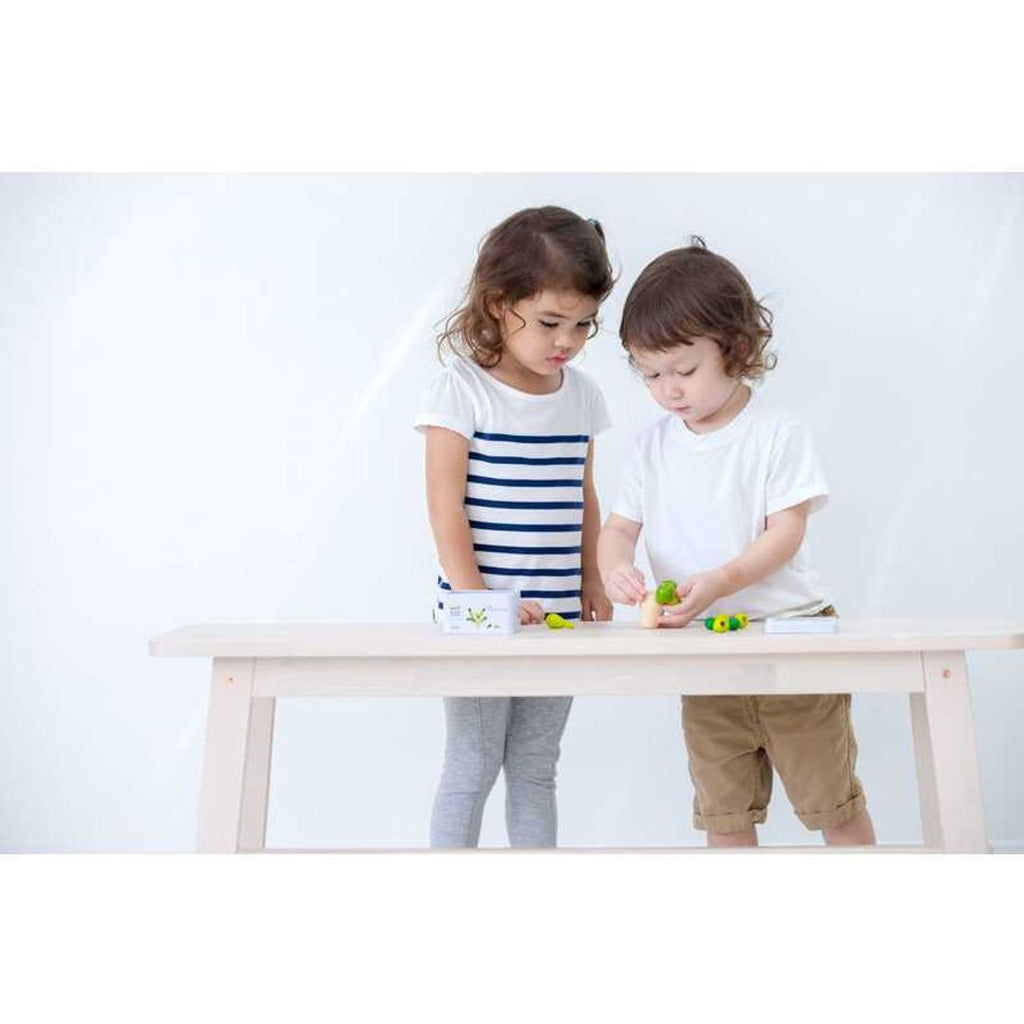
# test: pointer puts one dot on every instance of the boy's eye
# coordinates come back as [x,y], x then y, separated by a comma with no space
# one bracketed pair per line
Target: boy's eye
[650,376]
[689,373]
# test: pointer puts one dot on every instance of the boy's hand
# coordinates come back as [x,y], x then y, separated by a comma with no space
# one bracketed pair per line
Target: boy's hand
[596,607]
[530,613]
[625,584]
[695,594]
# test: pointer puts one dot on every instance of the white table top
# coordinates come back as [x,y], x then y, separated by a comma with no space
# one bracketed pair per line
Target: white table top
[425,640]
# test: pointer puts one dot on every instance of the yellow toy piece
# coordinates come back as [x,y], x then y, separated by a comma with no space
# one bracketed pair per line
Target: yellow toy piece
[721,624]
[555,621]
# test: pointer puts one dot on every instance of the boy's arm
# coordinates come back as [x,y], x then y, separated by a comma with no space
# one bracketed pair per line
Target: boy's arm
[595,604]
[616,547]
[782,537]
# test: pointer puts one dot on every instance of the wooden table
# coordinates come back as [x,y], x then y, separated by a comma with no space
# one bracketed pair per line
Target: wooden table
[255,664]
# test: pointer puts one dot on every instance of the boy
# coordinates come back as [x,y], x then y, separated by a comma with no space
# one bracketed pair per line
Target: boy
[722,487]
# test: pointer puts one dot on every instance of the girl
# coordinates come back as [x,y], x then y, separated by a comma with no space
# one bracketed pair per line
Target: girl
[509,431]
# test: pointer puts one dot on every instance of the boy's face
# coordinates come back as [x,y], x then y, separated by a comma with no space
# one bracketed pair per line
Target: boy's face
[689,382]
[556,328]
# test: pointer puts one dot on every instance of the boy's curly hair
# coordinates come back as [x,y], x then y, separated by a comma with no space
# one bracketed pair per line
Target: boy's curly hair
[694,293]
[536,249]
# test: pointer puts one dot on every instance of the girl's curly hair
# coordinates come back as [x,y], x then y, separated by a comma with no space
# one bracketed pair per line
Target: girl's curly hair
[694,293]
[532,251]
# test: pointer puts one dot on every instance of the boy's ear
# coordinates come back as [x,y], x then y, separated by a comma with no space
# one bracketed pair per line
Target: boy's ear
[741,348]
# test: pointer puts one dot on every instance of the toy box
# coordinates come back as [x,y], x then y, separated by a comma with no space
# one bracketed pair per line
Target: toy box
[480,612]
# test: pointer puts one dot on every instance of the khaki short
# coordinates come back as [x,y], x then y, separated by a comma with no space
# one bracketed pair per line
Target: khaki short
[734,742]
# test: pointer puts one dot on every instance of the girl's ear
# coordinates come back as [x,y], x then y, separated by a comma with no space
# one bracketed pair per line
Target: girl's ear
[496,307]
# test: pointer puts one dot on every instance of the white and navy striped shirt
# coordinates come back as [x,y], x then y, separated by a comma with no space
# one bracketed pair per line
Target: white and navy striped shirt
[524,483]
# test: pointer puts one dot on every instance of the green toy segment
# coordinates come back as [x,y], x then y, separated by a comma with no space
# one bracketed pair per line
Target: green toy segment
[666,592]
[726,623]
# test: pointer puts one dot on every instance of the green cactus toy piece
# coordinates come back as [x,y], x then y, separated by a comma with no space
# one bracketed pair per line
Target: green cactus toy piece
[666,592]
[555,621]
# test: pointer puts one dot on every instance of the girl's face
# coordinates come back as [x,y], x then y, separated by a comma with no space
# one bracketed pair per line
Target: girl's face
[690,382]
[541,334]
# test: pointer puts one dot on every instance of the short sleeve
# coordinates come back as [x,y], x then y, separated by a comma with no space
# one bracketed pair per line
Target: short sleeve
[795,474]
[600,419]
[447,404]
[629,500]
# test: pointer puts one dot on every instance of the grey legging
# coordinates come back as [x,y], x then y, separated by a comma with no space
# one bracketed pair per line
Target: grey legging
[483,735]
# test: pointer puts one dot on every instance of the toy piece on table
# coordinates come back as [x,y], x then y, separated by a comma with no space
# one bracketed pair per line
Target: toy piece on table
[655,600]
[726,623]
[555,621]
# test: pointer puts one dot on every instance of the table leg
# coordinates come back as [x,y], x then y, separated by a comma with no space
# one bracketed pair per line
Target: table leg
[228,729]
[256,787]
[949,785]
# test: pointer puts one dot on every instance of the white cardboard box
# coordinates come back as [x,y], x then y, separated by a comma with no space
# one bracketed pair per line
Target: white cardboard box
[480,612]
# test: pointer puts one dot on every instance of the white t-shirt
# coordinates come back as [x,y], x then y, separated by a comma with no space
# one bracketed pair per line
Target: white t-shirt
[703,498]
[524,484]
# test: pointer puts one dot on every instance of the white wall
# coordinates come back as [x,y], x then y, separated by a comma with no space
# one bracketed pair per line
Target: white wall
[209,387]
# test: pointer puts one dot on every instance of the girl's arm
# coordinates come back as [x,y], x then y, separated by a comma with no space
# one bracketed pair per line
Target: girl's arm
[781,540]
[595,604]
[447,456]
[446,459]
[616,548]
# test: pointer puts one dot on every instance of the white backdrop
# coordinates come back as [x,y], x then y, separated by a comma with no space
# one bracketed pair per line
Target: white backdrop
[209,388]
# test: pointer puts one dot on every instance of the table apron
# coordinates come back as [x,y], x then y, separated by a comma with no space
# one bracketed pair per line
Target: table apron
[602,675]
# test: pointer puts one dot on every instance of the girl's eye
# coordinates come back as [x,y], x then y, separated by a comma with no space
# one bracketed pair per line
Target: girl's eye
[689,373]
[650,376]
[544,323]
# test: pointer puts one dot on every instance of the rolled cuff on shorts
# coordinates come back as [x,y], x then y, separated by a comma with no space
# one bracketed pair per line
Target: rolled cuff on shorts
[816,820]
[739,821]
